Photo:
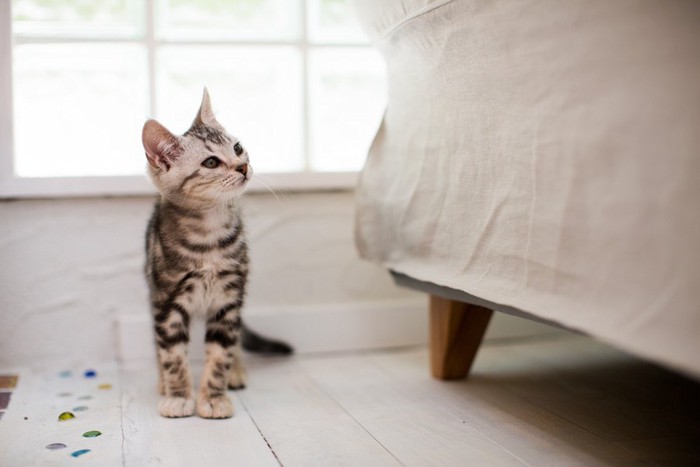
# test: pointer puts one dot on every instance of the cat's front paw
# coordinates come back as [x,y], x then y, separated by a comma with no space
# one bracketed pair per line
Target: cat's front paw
[176,407]
[214,407]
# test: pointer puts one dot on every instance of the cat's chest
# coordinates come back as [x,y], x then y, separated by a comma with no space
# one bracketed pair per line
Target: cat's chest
[212,262]
[208,289]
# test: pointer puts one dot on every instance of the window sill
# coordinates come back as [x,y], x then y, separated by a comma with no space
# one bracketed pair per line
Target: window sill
[72,187]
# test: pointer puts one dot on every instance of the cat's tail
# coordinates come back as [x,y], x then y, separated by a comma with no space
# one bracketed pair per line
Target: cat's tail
[257,344]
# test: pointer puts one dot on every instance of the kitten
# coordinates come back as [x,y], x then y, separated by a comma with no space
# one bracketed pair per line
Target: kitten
[197,259]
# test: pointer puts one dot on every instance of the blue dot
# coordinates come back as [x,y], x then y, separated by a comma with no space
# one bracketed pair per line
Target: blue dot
[79,453]
[90,373]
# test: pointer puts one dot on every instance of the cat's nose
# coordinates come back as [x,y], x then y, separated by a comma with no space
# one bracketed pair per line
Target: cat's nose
[243,168]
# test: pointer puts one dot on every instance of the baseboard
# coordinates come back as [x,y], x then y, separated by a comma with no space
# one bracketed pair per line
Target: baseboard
[327,328]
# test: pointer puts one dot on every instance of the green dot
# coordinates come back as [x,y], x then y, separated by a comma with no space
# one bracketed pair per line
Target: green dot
[92,434]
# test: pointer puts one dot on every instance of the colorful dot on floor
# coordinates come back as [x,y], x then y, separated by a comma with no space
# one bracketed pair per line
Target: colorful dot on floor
[90,373]
[54,446]
[8,381]
[64,394]
[84,398]
[92,434]
[80,408]
[79,453]
[65,374]
[4,399]
[65,416]
[104,386]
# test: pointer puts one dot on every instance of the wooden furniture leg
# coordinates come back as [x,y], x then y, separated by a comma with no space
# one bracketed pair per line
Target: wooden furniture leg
[456,330]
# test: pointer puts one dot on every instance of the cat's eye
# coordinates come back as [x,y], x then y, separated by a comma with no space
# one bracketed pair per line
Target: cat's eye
[211,163]
[238,148]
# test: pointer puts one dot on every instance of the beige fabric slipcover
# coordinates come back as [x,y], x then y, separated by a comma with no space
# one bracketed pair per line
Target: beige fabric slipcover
[544,155]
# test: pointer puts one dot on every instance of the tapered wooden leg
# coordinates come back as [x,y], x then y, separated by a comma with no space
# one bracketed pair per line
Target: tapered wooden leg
[456,330]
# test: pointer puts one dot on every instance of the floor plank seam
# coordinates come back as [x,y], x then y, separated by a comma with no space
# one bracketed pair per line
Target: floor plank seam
[330,396]
[122,384]
[558,415]
[496,443]
[240,398]
[365,429]
[464,422]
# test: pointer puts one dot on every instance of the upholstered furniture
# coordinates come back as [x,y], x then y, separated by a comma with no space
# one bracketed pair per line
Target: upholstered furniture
[540,158]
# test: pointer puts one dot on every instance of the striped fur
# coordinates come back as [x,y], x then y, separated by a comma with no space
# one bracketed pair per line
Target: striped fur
[197,261]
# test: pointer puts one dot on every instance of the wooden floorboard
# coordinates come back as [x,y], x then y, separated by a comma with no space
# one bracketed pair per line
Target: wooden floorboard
[408,422]
[562,401]
[612,395]
[31,421]
[304,425]
[534,435]
[153,440]
[675,451]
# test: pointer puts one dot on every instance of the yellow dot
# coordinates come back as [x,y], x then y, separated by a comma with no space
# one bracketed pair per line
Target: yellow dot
[65,416]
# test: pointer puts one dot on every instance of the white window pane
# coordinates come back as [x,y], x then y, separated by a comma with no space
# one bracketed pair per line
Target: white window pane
[77,17]
[255,92]
[332,21]
[228,19]
[347,98]
[79,109]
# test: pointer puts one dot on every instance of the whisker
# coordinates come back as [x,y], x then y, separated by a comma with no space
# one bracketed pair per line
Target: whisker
[261,179]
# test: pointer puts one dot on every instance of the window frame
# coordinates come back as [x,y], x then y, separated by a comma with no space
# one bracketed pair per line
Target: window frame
[13,186]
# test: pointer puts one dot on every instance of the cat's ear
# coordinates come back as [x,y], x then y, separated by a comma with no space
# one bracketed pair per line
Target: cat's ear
[205,116]
[162,147]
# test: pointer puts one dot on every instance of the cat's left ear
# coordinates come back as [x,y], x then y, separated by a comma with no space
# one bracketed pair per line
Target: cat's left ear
[162,147]
[205,116]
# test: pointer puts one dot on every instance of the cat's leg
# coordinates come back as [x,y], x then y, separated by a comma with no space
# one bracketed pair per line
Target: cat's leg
[172,337]
[222,337]
[237,377]
[161,384]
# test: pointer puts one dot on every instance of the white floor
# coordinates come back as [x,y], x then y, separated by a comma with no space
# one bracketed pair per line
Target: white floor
[562,401]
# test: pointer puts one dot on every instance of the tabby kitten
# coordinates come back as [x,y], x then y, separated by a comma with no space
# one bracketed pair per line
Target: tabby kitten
[197,259]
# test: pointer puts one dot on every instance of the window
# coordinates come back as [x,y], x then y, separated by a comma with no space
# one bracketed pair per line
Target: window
[295,79]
